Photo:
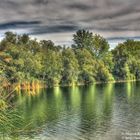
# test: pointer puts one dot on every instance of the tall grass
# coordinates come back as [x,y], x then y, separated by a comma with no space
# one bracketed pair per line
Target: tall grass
[12,125]
[10,119]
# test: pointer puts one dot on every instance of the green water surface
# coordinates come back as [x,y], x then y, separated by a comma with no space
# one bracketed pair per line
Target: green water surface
[95,112]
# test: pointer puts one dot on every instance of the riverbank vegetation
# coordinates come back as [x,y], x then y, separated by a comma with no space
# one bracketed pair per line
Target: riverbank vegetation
[30,63]
[10,119]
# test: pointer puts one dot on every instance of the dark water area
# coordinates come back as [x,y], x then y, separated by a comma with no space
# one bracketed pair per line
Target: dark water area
[95,112]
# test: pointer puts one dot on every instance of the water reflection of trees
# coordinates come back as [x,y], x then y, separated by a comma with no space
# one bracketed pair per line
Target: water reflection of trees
[87,111]
[82,110]
[96,112]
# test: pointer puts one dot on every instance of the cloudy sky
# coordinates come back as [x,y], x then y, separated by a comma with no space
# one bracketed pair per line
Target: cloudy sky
[57,20]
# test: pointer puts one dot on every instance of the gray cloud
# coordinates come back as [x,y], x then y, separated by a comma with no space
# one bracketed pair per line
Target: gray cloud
[18,24]
[53,29]
[78,6]
[111,18]
[122,38]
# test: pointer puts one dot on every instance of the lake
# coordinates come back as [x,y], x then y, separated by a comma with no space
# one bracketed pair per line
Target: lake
[94,112]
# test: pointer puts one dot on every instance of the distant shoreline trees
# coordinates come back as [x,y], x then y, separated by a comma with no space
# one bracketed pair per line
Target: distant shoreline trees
[88,60]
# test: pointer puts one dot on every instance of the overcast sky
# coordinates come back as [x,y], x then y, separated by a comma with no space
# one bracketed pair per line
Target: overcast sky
[59,19]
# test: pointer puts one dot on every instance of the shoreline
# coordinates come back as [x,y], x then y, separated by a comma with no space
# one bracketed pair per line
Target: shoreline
[32,87]
[97,83]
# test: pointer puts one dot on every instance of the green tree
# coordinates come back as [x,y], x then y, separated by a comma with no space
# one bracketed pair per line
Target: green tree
[70,67]
[87,66]
[52,67]
[100,47]
[83,39]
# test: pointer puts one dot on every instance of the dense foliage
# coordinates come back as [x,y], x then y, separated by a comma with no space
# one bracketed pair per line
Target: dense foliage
[88,60]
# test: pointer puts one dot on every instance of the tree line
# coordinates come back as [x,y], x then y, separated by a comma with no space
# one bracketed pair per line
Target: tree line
[88,60]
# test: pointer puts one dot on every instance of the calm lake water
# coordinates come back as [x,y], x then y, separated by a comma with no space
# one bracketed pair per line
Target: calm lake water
[95,112]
